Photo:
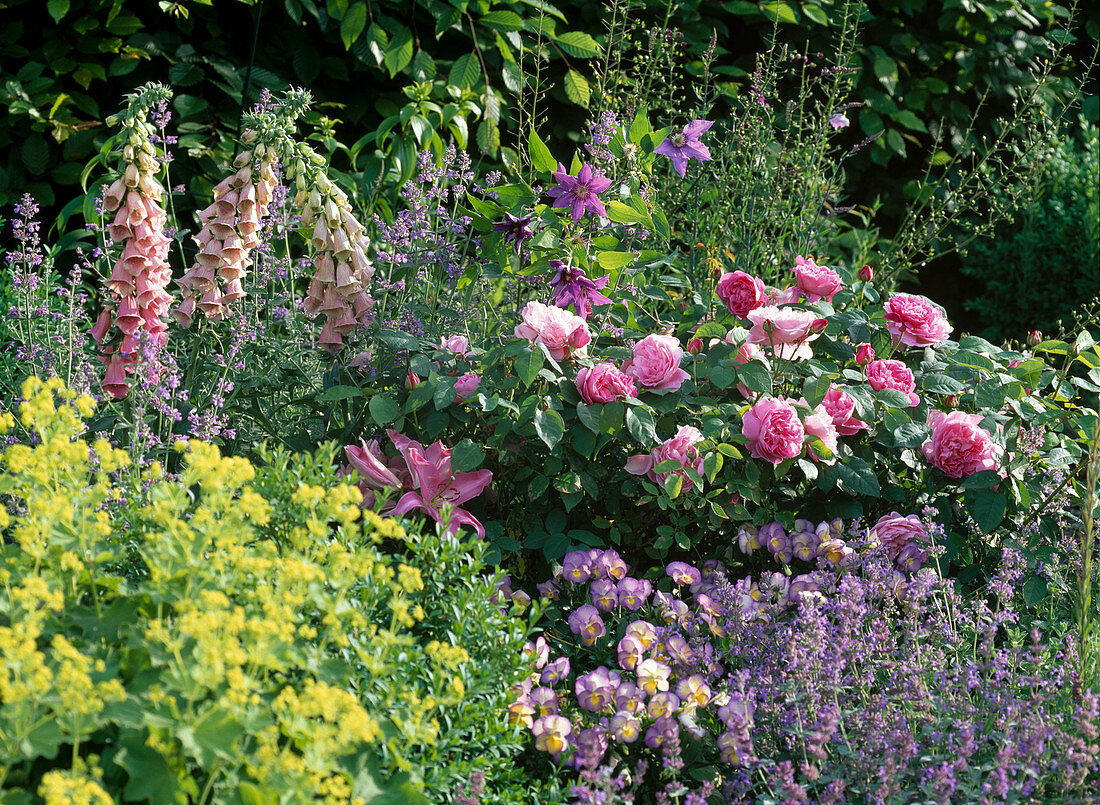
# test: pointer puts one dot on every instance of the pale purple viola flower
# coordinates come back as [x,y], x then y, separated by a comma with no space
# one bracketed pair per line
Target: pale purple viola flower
[580,192]
[663,730]
[633,593]
[748,539]
[804,545]
[734,713]
[587,623]
[684,145]
[800,585]
[839,121]
[630,652]
[611,566]
[694,691]
[629,698]
[577,567]
[672,609]
[653,676]
[678,648]
[552,734]
[604,595]
[709,606]
[572,287]
[662,704]
[545,701]
[594,690]
[555,671]
[644,631]
[624,728]
[683,573]
[516,230]
[537,651]
[911,558]
[549,589]
[711,568]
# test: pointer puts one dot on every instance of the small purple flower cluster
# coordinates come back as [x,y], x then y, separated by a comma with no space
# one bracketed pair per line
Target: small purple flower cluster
[855,682]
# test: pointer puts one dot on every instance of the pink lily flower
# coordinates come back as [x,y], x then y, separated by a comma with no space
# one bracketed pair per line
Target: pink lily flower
[438,484]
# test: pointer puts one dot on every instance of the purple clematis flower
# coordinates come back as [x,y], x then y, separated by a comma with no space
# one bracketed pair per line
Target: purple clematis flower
[684,145]
[573,287]
[515,229]
[580,192]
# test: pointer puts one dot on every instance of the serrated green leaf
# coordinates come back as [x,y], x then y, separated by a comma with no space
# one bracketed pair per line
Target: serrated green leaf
[353,23]
[576,88]
[857,477]
[465,72]
[941,384]
[755,377]
[400,52]
[579,44]
[673,485]
[505,20]
[779,11]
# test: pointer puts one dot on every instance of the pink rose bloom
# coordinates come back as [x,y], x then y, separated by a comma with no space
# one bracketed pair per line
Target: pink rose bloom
[915,322]
[745,353]
[841,408]
[896,532]
[819,423]
[656,363]
[560,331]
[458,344]
[774,431]
[741,292]
[466,385]
[604,383]
[891,374]
[816,282]
[788,331]
[681,448]
[787,296]
[960,446]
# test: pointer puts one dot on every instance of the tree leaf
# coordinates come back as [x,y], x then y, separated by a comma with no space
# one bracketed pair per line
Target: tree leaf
[576,88]
[579,44]
[353,23]
[57,9]
[400,52]
[465,72]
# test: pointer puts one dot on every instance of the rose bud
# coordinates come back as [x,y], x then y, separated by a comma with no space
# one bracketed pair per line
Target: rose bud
[866,273]
[865,354]
[695,346]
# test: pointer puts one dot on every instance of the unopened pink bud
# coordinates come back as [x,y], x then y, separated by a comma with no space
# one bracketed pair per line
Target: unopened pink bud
[411,381]
[819,325]
[695,346]
[866,273]
[1034,338]
[865,354]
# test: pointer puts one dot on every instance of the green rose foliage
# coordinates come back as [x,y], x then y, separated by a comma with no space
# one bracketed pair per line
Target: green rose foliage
[561,463]
[242,633]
